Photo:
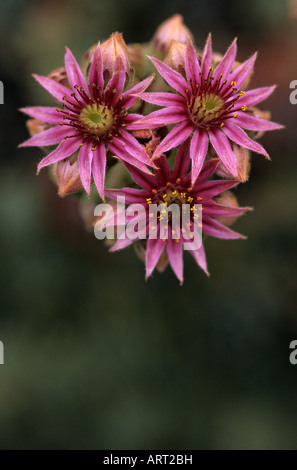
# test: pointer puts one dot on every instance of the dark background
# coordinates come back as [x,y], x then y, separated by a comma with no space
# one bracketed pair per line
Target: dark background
[95,357]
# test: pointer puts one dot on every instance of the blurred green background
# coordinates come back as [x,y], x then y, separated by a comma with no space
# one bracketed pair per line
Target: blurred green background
[95,357]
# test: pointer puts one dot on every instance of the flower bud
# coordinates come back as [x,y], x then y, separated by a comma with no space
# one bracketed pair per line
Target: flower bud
[138,60]
[176,56]
[35,126]
[66,175]
[172,29]
[243,164]
[227,198]
[113,48]
[59,75]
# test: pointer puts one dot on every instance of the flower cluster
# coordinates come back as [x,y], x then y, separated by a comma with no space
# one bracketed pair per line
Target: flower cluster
[106,131]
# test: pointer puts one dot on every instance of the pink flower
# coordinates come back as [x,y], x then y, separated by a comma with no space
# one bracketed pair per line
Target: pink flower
[210,106]
[174,186]
[94,118]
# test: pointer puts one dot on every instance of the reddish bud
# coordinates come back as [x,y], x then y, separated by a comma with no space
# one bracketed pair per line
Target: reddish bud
[172,29]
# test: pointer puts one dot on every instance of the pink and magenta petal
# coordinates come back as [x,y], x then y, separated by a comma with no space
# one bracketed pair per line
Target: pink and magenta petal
[242,72]
[198,150]
[175,255]
[161,118]
[47,114]
[206,57]
[253,97]
[182,161]
[192,65]
[51,136]
[74,73]
[154,250]
[85,157]
[237,135]
[227,61]
[223,148]
[57,90]
[200,258]
[96,73]
[174,79]
[163,99]
[98,167]
[252,123]
[129,97]
[216,229]
[66,148]
[179,134]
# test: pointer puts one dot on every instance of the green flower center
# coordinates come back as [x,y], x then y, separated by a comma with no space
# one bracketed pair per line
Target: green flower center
[96,118]
[206,108]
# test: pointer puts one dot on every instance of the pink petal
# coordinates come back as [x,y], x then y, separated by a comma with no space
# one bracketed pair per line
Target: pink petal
[214,209]
[130,119]
[74,73]
[237,135]
[223,149]
[192,65]
[154,250]
[66,148]
[174,79]
[253,97]
[207,171]
[200,258]
[179,134]
[163,99]
[206,57]
[132,196]
[242,72]
[199,146]
[163,173]
[120,244]
[43,113]
[115,86]
[129,98]
[182,161]
[96,71]
[133,147]
[161,118]
[175,255]
[227,61]
[252,123]
[85,157]
[213,188]
[216,229]
[51,136]
[142,179]
[55,89]
[98,167]
[118,149]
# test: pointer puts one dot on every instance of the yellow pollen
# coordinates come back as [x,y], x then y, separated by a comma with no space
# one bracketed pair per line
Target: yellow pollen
[242,93]
[235,115]
[233,83]
[222,124]
[244,107]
